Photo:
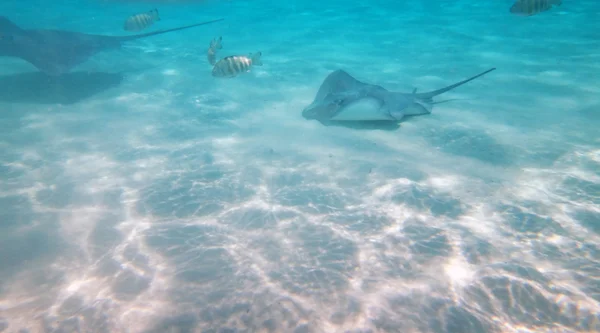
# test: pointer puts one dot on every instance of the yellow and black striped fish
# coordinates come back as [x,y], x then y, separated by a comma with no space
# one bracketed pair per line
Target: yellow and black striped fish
[234,65]
[532,7]
[214,46]
[141,21]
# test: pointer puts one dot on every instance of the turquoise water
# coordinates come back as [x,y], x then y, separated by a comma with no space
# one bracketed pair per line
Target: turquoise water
[140,194]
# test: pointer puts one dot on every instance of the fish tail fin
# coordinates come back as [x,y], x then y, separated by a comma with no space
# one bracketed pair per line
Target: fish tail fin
[155,13]
[256,61]
[431,94]
[159,32]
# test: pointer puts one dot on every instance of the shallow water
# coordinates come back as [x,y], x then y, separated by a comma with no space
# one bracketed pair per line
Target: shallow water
[140,194]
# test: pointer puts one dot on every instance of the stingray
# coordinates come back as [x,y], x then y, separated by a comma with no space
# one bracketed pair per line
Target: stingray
[56,52]
[341,98]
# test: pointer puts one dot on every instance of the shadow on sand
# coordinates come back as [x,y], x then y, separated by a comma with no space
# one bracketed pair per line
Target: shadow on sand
[363,125]
[70,88]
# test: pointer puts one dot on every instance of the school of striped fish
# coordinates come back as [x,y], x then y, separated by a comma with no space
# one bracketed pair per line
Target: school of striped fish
[234,65]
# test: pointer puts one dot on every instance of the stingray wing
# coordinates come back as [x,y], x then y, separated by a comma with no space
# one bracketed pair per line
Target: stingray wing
[338,82]
[337,91]
[55,52]
[8,27]
[334,91]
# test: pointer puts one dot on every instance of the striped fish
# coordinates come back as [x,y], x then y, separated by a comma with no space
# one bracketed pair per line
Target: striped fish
[532,7]
[214,46]
[141,21]
[234,65]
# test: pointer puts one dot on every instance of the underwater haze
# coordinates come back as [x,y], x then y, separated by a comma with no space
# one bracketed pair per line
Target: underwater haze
[139,193]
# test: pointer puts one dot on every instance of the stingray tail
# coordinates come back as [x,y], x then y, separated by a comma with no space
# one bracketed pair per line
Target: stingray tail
[127,38]
[431,94]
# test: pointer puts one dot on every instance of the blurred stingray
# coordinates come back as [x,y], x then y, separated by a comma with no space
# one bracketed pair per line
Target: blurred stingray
[69,88]
[344,101]
[56,52]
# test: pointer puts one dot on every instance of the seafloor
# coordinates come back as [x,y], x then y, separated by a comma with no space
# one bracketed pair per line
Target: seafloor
[140,194]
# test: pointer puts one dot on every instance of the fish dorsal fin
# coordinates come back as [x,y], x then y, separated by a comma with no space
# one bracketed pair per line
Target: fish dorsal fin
[154,14]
